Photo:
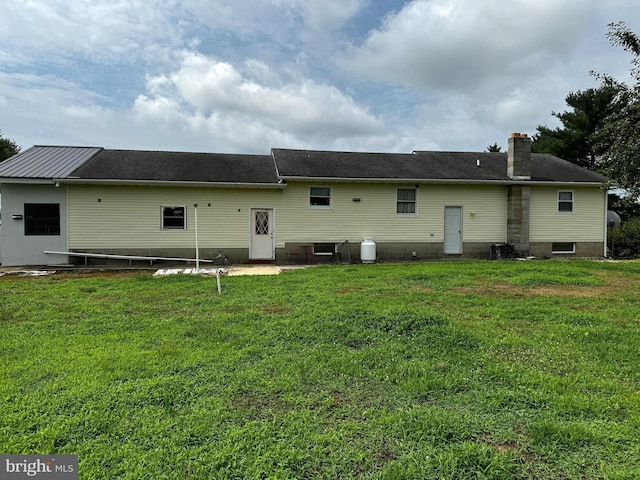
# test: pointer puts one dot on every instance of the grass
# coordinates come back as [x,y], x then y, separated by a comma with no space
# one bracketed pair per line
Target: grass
[496,370]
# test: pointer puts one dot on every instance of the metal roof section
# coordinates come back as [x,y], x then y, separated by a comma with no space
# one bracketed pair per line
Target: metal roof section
[46,162]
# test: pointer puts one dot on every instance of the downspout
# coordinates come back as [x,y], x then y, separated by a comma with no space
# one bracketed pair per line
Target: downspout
[606,223]
[195,218]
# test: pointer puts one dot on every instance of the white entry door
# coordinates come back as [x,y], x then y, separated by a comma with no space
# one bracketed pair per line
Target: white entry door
[452,230]
[262,241]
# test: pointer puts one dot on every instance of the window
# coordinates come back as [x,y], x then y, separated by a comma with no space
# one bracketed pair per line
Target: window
[324,248]
[565,202]
[563,247]
[261,222]
[320,197]
[42,219]
[406,201]
[174,218]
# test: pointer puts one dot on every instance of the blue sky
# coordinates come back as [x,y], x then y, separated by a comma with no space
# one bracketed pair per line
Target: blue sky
[247,75]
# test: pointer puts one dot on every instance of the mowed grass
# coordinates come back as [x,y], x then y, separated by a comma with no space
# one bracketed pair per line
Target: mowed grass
[495,370]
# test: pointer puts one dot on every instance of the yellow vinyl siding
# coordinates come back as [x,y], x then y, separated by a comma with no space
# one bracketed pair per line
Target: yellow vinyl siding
[375,214]
[484,210]
[130,216]
[584,224]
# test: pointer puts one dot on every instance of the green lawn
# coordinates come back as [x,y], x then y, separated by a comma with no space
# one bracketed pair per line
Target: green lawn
[495,370]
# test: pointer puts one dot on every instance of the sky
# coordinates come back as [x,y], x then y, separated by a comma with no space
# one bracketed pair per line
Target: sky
[245,76]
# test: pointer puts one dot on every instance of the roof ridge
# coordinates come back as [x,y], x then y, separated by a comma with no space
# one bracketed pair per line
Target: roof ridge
[65,146]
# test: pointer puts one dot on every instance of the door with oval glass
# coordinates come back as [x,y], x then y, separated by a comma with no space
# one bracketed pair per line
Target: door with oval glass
[262,244]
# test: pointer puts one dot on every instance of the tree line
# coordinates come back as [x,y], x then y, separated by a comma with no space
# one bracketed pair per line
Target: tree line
[8,147]
[601,130]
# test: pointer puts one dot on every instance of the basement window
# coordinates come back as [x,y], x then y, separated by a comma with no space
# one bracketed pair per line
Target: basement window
[174,218]
[324,248]
[320,197]
[565,202]
[563,247]
[406,201]
[42,219]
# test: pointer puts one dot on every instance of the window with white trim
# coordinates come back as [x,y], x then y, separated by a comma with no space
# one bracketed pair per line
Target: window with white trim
[320,197]
[565,201]
[174,218]
[406,201]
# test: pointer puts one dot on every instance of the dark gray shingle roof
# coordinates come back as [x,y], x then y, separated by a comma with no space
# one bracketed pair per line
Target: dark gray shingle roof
[93,163]
[545,167]
[422,165]
[177,167]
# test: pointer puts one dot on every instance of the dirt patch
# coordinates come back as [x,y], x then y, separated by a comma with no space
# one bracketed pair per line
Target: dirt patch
[422,289]
[506,447]
[513,448]
[386,454]
[275,309]
[255,405]
[501,289]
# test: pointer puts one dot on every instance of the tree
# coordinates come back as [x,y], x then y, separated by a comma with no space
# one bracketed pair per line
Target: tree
[621,131]
[580,139]
[8,147]
[495,148]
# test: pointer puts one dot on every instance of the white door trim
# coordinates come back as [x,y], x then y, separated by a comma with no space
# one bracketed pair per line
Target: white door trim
[452,243]
[262,237]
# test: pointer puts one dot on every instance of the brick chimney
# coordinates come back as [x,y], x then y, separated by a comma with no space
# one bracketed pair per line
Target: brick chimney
[519,157]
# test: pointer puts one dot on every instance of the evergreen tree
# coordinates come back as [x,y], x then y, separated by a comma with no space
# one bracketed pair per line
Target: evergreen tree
[580,139]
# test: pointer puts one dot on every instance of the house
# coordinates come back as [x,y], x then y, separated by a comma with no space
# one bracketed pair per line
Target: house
[292,203]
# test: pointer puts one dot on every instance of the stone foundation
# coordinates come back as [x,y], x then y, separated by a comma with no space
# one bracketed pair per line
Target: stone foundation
[583,250]
[385,252]
[299,253]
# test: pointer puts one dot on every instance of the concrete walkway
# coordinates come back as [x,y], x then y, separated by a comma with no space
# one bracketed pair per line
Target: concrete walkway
[232,271]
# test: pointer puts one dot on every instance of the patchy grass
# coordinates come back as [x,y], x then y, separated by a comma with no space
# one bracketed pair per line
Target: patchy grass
[444,370]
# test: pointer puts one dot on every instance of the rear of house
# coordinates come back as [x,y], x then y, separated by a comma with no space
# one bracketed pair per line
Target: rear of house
[291,204]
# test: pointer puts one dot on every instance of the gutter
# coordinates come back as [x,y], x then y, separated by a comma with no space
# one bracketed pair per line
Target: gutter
[446,181]
[165,183]
[31,181]
[281,185]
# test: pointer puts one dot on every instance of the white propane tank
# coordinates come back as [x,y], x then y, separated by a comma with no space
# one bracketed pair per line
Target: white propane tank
[368,251]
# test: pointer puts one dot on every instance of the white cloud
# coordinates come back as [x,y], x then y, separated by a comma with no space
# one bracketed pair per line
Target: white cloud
[209,95]
[468,45]
[323,14]
[54,111]
[102,30]
[432,74]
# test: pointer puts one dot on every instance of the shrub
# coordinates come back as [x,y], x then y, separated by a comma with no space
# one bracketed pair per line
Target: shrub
[626,239]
